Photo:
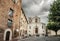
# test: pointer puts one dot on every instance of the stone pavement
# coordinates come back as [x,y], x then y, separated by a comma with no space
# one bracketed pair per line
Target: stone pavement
[38,39]
[41,39]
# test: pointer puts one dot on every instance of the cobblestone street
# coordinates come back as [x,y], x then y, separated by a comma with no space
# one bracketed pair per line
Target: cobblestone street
[40,39]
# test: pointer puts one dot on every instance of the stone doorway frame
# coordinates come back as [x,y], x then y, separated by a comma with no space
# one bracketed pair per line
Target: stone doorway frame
[10,38]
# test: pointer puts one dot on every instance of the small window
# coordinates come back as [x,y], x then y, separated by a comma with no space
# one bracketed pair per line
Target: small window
[21,18]
[30,20]
[25,32]
[15,1]
[29,31]
[42,26]
[43,31]
[11,12]
[9,23]
[29,27]
[29,34]
[36,20]
[43,34]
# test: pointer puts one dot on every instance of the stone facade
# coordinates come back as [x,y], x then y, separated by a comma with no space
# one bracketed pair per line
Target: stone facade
[35,27]
[23,25]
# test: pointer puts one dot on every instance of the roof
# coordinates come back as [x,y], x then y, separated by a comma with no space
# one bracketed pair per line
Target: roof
[24,14]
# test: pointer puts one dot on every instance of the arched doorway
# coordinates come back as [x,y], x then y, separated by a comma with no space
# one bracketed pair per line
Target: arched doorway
[7,35]
[36,30]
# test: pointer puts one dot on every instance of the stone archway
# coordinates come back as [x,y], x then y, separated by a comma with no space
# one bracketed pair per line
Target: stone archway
[7,35]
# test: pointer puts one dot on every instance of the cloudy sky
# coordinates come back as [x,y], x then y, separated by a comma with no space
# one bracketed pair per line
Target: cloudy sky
[37,8]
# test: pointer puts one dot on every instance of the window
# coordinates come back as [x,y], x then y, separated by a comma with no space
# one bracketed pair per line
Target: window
[9,23]
[15,1]
[10,12]
[30,20]
[29,31]
[25,32]
[43,31]
[43,34]
[29,34]
[42,26]
[36,20]
[29,27]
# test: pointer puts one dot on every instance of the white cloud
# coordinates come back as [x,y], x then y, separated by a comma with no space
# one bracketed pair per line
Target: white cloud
[37,7]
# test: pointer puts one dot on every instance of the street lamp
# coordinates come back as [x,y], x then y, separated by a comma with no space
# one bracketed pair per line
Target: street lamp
[17,30]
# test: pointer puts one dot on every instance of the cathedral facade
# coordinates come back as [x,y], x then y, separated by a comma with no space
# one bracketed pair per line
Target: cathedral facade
[35,27]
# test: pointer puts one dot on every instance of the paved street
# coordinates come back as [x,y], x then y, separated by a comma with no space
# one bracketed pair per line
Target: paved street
[41,39]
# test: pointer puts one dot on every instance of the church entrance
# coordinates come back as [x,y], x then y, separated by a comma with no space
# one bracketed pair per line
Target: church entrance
[36,30]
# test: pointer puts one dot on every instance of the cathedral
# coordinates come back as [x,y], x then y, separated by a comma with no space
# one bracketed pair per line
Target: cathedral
[35,27]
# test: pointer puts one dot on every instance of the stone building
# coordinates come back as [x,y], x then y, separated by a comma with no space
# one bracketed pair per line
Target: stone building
[35,27]
[23,25]
[10,11]
[52,33]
